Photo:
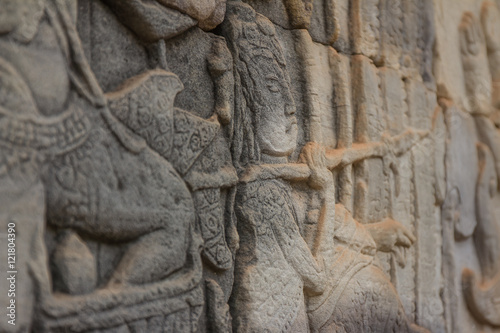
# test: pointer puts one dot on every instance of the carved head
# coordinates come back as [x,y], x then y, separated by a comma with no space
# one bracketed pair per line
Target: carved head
[20,19]
[265,119]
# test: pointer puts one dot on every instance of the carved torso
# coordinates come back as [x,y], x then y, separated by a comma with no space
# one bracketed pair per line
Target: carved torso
[262,260]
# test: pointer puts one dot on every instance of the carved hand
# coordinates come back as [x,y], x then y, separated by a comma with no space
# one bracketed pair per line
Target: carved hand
[314,155]
[471,38]
[475,64]
[391,236]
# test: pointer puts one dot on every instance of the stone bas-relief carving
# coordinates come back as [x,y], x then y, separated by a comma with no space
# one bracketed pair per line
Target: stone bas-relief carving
[271,243]
[470,227]
[265,206]
[482,296]
[107,186]
[249,166]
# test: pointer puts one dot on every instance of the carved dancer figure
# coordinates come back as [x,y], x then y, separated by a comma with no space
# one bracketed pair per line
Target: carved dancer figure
[483,294]
[276,271]
[274,264]
[197,148]
[101,180]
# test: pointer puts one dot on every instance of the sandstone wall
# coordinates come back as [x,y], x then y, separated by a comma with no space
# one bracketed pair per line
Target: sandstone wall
[249,166]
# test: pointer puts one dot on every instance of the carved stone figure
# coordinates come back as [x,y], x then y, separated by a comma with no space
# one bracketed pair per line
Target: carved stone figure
[482,295]
[196,147]
[327,277]
[270,242]
[102,182]
[471,213]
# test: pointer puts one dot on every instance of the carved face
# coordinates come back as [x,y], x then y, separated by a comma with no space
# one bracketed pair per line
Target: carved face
[270,128]
[20,17]
[276,123]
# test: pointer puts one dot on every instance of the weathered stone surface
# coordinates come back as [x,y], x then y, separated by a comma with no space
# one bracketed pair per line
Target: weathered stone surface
[319,17]
[365,28]
[394,99]
[325,25]
[391,36]
[316,66]
[369,119]
[249,166]
[341,11]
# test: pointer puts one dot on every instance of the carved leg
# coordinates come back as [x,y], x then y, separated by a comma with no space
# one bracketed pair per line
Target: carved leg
[483,299]
[369,303]
[152,258]
[116,195]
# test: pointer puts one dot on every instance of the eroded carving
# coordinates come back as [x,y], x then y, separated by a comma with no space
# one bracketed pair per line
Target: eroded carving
[326,279]
[474,59]
[109,186]
[481,293]
[282,166]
